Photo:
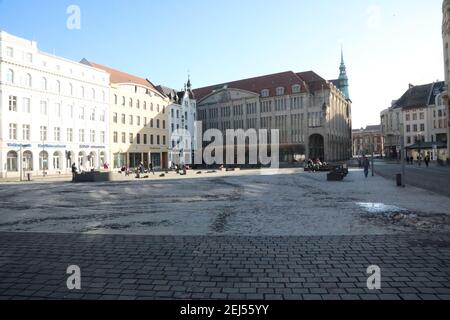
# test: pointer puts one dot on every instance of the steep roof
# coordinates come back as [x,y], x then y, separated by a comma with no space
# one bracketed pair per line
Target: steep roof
[121,77]
[257,84]
[415,97]
[314,81]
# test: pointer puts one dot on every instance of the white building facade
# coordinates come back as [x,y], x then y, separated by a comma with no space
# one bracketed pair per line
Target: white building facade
[181,119]
[53,112]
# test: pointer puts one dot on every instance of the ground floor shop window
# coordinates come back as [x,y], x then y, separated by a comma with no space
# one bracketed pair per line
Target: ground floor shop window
[43,160]
[11,161]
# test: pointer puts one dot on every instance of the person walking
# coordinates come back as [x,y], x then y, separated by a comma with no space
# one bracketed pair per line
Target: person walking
[427,161]
[74,171]
[366,166]
[150,167]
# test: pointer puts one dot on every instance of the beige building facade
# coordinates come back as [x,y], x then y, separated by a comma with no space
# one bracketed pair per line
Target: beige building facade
[313,115]
[367,141]
[138,121]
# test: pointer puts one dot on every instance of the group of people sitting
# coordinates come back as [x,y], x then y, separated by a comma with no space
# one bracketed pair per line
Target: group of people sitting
[140,169]
[316,165]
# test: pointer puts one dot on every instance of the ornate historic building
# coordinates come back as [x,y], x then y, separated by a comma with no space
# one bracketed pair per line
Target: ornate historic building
[368,140]
[313,115]
[182,112]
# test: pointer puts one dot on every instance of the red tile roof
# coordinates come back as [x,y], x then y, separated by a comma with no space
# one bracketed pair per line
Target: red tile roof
[120,76]
[309,82]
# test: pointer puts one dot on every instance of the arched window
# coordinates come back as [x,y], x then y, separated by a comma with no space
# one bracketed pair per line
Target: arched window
[93,94]
[123,101]
[58,86]
[265,93]
[43,160]
[138,104]
[145,105]
[81,160]
[131,102]
[115,99]
[11,161]
[10,76]
[44,85]
[27,161]
[92,159]
[102,158]
[28,80]
[57,160]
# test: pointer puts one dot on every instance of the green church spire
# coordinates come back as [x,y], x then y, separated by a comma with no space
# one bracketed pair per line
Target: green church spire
[343,78]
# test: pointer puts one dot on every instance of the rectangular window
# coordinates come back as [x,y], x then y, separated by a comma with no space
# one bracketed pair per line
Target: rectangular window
[102,116]
[58,110]
[164,140]
[10,52]
[158,140]
[69,135]
[26,131]
[145,139]
[123,118]
[138,121]
[57,134]
[102,137]
[81,135]
[43,108]
[151,139]
[92,116]
[131,140]
[151,123]
[26,108]
[157,123]
[164,124]
[115,117]
[92,135]
[131,120]
[12,131]
[115,137]
[13,103]
[124,139]
[138,138]
[422,127]
[81,116]
[43,133]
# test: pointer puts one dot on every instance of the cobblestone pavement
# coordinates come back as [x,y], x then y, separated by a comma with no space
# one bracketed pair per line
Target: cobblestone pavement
[413,266]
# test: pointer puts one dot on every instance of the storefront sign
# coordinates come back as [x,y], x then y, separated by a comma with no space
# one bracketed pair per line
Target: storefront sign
[18,145]
[51,146]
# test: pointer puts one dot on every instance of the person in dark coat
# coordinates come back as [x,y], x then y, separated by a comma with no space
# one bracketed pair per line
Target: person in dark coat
[366,166]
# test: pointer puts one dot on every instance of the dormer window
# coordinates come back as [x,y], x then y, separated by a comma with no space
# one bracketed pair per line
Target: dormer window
[296,88]
[265,93]
[280,91]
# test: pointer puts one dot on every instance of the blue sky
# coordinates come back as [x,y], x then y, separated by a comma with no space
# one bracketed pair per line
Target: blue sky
[387,44]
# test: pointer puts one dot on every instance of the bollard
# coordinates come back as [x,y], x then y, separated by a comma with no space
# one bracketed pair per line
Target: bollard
[399,180]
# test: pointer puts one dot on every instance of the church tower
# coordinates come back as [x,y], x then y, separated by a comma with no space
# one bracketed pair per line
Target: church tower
[343,78]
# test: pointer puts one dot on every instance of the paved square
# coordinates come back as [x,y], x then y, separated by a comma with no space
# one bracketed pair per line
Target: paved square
[248,235]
